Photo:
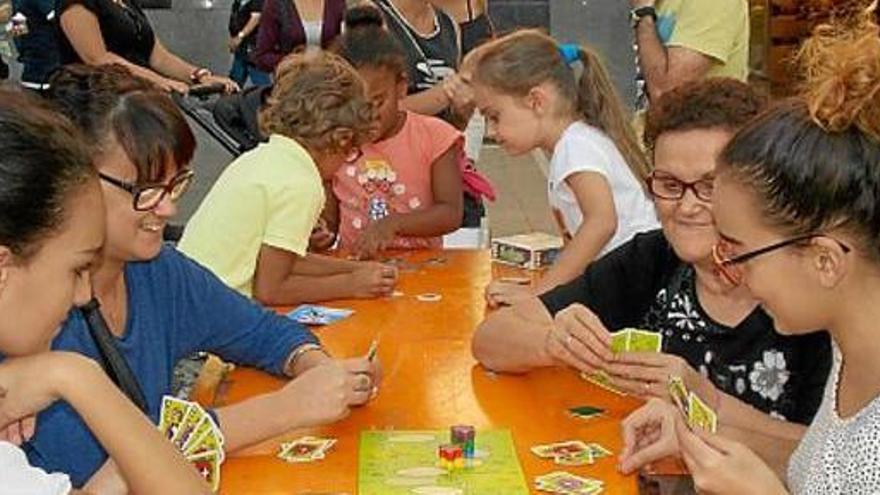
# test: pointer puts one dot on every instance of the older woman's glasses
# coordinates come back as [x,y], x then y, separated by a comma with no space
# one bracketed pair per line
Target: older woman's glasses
[666,186]
[729,265]
[148,196]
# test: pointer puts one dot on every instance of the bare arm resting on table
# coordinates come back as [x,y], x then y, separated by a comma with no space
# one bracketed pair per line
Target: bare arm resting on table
[511,340]
[285,278]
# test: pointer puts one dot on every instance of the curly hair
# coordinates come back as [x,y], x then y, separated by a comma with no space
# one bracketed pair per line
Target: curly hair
[814,161]
[316,94]
[110,104]
[723,103]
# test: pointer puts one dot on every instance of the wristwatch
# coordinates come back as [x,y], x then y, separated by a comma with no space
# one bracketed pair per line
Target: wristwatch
[636,15]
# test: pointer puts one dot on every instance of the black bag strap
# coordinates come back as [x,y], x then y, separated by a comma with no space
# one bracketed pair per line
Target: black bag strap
[112,360]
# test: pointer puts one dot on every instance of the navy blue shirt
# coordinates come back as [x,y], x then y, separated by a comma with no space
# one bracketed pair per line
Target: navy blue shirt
[175,308]
[38,51]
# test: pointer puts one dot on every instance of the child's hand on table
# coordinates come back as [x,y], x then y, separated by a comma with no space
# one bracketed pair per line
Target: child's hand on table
[373,279]
[376,237]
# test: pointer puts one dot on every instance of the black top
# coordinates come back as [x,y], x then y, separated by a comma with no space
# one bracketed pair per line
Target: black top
[37,50]
[124,27]
[238,19]
[431,59]
[475,32]
[644,284]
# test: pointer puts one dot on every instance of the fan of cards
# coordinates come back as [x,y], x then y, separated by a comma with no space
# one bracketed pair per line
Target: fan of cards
[194,432]
[305,449]
[696,412]
[568,484]
[571,452]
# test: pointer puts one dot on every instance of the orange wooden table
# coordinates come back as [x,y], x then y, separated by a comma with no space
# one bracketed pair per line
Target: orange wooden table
[431,382]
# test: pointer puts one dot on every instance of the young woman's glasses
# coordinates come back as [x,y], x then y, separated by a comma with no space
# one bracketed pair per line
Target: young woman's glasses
[667,186]
[729,264]
[148,196]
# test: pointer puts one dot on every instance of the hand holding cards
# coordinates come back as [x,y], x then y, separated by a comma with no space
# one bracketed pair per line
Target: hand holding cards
[695,411]
[194,432]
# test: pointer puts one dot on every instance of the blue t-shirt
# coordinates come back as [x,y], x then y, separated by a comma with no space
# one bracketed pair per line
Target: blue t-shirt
[176,308]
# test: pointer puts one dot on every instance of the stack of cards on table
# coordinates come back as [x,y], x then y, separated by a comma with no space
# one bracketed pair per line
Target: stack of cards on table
[309,314]
[697,413]
[571,452]
[568,484]
[194,432]
[635,340]
[305,449]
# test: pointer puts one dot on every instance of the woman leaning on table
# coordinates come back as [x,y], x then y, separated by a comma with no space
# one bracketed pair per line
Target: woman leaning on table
[98,32]
[798,211]
[765,387]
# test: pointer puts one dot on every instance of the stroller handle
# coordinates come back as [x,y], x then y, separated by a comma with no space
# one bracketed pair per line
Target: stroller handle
[205,90]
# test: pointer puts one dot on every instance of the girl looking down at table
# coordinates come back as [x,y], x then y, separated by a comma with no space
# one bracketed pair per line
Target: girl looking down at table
[715,336]
[533,98]
[51,230]
[797,204]
[405,191]
[159,305]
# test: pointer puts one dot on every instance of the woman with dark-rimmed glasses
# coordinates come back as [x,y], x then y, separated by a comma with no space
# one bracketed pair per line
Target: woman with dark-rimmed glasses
[763,386]
[797,209]
[158,305]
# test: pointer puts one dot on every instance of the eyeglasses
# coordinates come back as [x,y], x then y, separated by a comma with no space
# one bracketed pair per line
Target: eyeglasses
[728,264]
[666,186]
[148,196]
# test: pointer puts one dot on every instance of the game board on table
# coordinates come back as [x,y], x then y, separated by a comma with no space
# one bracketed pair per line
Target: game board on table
[406,462]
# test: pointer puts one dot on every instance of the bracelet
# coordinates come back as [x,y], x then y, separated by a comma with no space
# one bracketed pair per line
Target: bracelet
[198,74]
[297,354]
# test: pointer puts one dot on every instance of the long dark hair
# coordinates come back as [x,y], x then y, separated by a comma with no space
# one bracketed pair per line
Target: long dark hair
[814,160]
[42,161]
[107,102]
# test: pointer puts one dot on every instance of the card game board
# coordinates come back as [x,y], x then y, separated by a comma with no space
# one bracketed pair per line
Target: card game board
[405,462]
[310,314]
[193,431]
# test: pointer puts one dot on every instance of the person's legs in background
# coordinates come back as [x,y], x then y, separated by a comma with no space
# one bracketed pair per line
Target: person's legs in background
[239,70]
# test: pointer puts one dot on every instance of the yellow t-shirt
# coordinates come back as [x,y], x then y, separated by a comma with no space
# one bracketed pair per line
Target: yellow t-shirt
[271,195]
[718,29]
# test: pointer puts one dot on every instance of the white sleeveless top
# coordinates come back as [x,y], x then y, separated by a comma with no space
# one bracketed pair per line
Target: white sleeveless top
[838,456]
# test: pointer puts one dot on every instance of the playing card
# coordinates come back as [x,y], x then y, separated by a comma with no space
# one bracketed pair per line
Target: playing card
[620,341]
[585,412]
[171,415]
[187,425]
[306,449]
[309,314]
[568,484]
[644,341]
[601,379]
[700,415]
[373,350]
[561,449]
[583,459]
[679,394]
[207,437]
[208,465]
[598,451]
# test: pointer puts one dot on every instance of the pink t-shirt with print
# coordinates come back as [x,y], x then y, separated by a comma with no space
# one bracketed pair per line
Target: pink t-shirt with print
[393,176]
